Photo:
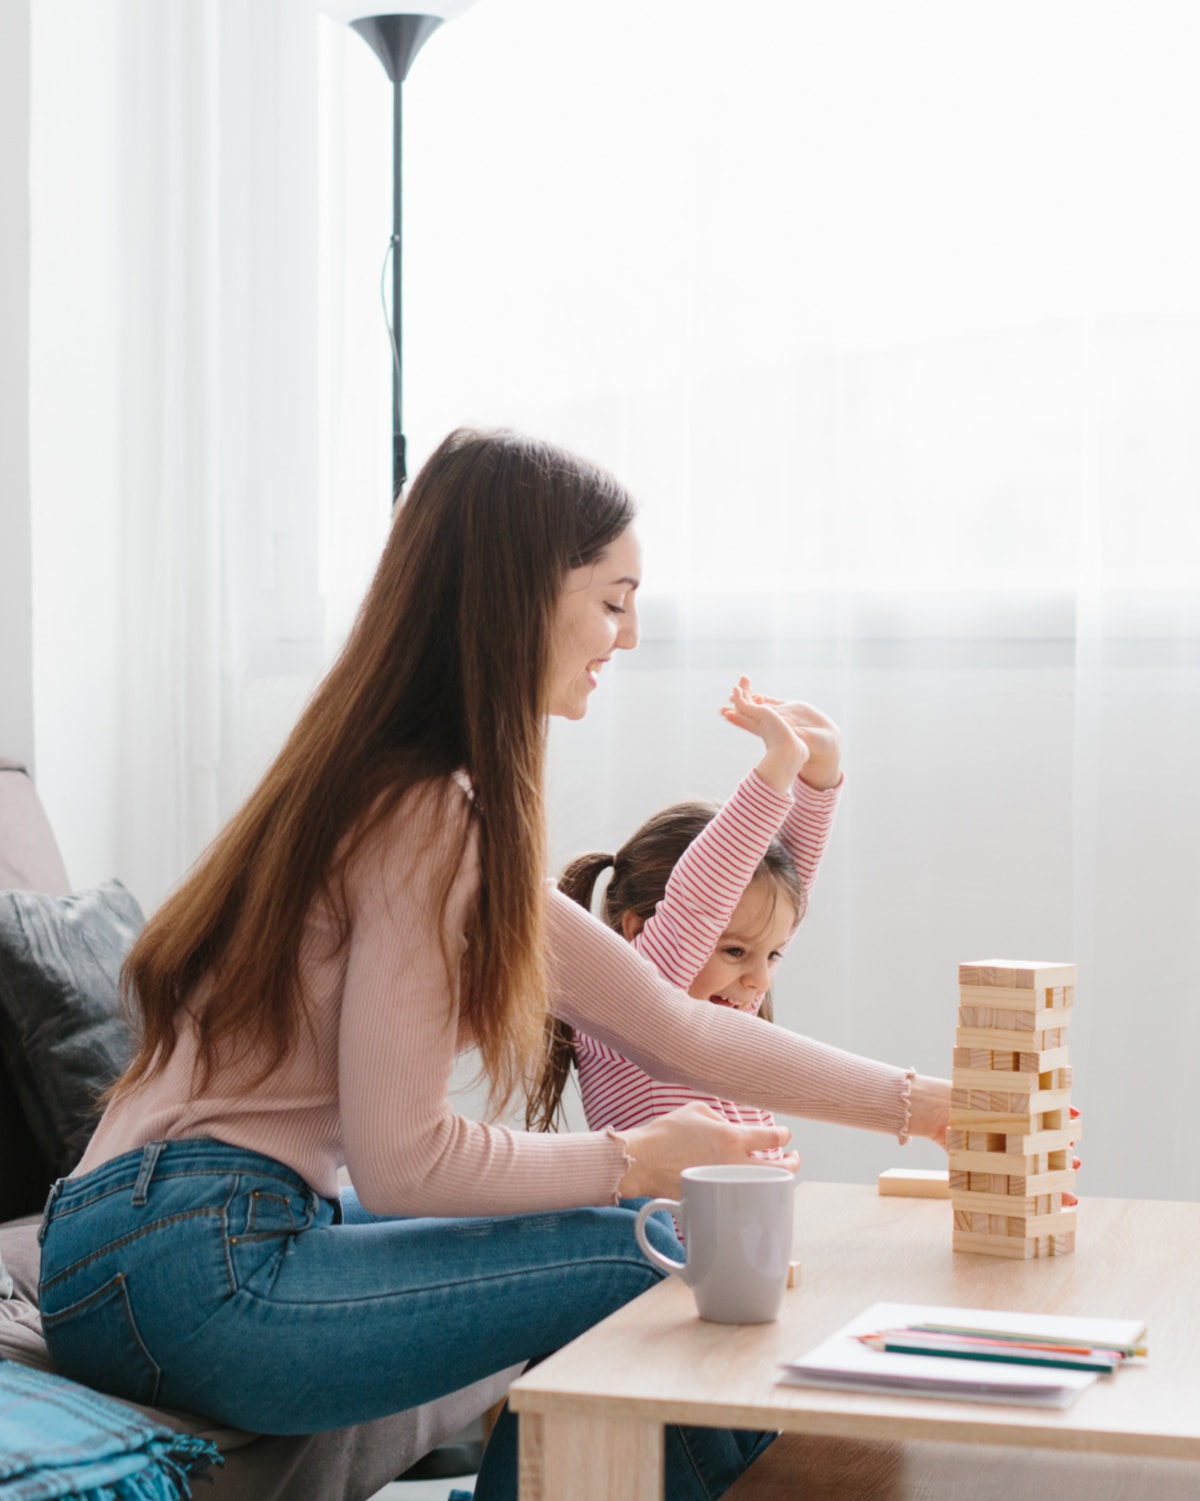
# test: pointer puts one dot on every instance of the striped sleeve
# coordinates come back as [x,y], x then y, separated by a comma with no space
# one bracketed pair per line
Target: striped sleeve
[708,882]
[618,1095]
[807,826]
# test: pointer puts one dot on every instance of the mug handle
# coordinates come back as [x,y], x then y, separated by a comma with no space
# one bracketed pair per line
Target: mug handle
[639,1229]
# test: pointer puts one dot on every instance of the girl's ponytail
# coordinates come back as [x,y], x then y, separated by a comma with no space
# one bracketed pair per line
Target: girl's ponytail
[543,1107]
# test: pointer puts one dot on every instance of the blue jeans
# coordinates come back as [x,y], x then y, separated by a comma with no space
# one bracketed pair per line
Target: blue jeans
[204,1277]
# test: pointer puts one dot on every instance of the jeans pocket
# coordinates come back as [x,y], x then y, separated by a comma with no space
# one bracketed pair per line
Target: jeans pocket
[96,1341]
[271,1214]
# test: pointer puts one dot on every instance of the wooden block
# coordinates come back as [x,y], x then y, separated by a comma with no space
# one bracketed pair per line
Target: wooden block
[994,1214]
[1042,1061]
[1038,1142]
[996,1038]
[1013,1247]
[999,1162]
[1008,1246]
[1005,1205]
[998,1194]
[1016,1122]
[992,1017]
[1042,1183]
[1018,1019]
[969,1078]
[1043,1110]
[793,1274]
[1003,998]
[1024,974]
[915,1183]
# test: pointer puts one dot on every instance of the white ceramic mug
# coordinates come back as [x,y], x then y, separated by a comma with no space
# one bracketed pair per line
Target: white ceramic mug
[736,1223]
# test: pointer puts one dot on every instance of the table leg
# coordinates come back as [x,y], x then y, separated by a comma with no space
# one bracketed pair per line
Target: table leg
[565,1457]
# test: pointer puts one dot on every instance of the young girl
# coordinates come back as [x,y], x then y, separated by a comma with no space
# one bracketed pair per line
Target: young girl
[712,897]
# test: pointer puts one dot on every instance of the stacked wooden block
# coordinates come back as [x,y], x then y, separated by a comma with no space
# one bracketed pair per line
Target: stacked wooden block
[1010,1110]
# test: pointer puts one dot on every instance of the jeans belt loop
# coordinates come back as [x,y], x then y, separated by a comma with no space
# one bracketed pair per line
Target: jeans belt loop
[55,1189]
[150,1155]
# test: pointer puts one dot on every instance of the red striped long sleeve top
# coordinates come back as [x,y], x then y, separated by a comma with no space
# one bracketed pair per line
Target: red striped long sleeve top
[700,897]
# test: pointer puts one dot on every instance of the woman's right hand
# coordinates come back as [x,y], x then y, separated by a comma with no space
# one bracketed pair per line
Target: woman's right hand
[695,1135]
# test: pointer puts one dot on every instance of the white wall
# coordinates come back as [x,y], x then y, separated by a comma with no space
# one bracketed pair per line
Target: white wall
[16,596]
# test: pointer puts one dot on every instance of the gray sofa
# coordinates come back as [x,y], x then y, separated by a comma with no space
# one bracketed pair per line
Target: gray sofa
[346,1464]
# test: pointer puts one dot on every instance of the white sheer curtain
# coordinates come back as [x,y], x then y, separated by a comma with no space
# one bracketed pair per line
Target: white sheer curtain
[889,316]
[183,553]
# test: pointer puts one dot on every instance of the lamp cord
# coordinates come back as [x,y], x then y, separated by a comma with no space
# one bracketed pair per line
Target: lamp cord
[387,321]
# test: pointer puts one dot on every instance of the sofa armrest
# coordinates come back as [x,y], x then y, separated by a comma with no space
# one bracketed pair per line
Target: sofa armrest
[29,856]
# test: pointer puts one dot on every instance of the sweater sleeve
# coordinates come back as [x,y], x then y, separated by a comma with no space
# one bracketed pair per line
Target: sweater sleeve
[709,880]
[601,986]
[407,1150]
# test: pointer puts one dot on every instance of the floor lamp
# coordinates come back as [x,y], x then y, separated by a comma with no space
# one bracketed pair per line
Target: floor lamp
[396,37]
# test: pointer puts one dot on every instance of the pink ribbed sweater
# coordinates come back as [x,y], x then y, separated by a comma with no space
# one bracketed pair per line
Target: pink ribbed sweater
[367,1084]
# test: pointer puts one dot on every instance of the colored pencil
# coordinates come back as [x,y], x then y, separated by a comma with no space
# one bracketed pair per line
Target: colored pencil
[1008,1354]
[1002,1334]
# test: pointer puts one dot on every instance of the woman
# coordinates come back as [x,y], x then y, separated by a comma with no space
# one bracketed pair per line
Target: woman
[378,904]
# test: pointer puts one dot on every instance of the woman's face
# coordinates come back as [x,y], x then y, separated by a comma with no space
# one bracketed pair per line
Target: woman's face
[596,615]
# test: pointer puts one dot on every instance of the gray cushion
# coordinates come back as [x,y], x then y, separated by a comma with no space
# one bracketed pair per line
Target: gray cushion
[62,1038]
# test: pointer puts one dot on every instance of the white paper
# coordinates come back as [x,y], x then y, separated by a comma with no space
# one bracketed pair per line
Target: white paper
[843,1362]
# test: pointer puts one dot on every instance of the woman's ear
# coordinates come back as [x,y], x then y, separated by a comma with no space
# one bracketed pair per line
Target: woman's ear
[631,924]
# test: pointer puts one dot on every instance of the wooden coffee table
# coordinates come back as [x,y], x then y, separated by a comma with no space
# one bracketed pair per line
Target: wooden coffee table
[592,1415]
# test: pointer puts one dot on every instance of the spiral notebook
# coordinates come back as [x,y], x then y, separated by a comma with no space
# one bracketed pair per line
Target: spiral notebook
[844,1363]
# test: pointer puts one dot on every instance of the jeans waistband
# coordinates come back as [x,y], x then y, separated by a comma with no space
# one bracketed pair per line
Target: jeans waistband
[190,1156]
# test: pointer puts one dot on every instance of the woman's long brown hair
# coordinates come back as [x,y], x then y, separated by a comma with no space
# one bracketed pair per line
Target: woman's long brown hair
[446,668]
[641,869]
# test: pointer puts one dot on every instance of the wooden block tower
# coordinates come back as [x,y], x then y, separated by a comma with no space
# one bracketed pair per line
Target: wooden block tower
[1010,1110]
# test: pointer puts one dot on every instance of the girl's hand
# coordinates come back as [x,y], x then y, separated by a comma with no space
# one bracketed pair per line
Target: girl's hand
[787,751]
[1070,1199]
[692,1136]
[823,769]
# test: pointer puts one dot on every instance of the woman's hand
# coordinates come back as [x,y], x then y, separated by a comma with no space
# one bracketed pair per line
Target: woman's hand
[786,751]
[823,739]
[930,1108]
[931,1117]
[695,1135]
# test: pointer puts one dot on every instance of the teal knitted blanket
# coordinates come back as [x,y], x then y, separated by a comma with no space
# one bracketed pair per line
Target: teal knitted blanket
[61,1442]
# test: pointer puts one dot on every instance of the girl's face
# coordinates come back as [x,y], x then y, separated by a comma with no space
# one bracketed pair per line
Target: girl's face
[596,615]
[739,970]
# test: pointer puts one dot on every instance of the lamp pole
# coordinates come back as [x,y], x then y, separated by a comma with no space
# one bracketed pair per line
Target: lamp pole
[395,37]
[396,40]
